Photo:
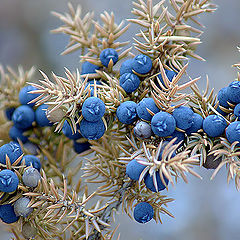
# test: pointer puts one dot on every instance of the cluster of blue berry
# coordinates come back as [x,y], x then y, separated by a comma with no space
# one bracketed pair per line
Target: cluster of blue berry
[229,101]
[24,116]
[10,180]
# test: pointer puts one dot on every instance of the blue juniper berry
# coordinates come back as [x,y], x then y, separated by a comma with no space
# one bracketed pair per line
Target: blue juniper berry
[25,97]
[31,159]
[143,212]
[9,112]
[81,147]
[142,130]
[134,169]
[233,92]
[67,131]
[17,133]
[214,125]
[142,106]
[7,214]
[163,124]
[12,149]
[88,68]
[93,109]
[233,132]
[148,180]
[184,117]
[126,112]
[8,181]
[129,82]
[92,130]
[170,75]
[126,66]
[237,110]
[31,177]
[23,117]
[107,54]
[41,117]
[223,97]
[142,64]
[197,124]
[21,207]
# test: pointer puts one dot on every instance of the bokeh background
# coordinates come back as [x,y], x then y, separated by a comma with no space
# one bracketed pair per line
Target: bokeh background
[203,209]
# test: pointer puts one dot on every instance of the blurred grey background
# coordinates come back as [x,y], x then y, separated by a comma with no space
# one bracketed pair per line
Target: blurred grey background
[204,209]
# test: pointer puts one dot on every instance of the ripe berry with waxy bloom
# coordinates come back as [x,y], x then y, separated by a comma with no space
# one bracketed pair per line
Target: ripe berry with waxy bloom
[163,124]
[129,82]
[108,54]
[68,132]
[92,130]
[88,68]
[41,117]
[126,66]
[184,117]
[233,132]
[93,109]
[126,112]
[223,97]
[7,214]
[134,169]
[31,159]
[143,212]
[214,125]
[197,124]
[8,181]
[142,64]
[25,97]
[17,133]
[148,180]
[142,106]
[233,92]
[12,149]
[23,117]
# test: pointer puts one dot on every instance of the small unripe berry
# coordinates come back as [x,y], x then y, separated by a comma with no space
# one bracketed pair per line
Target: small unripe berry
[56,115]
[142,130]
[21,207]
[31,177]
[28,231]
[143,212]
